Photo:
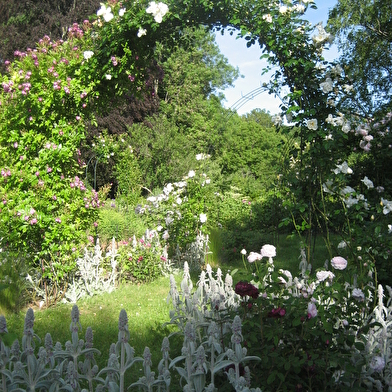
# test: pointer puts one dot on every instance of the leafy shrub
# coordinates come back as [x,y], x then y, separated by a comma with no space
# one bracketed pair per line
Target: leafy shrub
[46,208]
[142,260]
[13,288]
[180,211]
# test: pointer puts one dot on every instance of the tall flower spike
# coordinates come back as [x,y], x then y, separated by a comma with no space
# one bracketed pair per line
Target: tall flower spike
[29,322]
[147,357]
[74,318]
[89,337]
[3,325]
[123,332]
[236,328]
[75,325]
[165,348]
[15,350]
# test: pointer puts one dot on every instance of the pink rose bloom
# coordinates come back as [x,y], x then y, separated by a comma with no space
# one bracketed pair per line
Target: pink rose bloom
[339,263]
[268,251]
[253,256]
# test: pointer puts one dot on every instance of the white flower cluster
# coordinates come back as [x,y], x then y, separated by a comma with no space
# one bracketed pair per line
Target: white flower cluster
[339,121]
[343,168]
[106,13]
[387,206]
[158,10]
[322,36]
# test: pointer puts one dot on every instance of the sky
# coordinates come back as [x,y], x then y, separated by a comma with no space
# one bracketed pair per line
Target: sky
[250,66]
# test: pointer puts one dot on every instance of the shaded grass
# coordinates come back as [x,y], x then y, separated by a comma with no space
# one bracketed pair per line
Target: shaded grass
[288,251]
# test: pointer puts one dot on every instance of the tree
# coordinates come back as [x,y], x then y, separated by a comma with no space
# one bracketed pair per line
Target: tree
[251,155]
[364,35]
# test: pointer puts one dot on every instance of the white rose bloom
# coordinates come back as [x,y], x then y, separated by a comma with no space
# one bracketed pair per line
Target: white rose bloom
[141,32]
[312,124]
[88,54]
[368,183]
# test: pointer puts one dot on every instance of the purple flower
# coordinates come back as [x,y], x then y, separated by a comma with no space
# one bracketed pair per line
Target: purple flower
[37,173]
[16,144]
[312,310]
[58,220]
[33,221]
[49,170]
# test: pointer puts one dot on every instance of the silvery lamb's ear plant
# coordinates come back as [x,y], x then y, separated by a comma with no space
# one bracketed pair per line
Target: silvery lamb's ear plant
[116,369]
[236,356]
[31,372]
[148,381]
[4,354]
[163,366]
[91,272]
[378,348]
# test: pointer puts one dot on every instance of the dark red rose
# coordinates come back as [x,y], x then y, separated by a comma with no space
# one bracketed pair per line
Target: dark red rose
[246,289]
[277,312]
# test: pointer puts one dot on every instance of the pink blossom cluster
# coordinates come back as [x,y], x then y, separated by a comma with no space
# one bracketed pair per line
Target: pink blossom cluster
[75,31]
[8,87]
[20,54]
[5,173]
[77,183]
[24,88]
[31,217]
[94,201]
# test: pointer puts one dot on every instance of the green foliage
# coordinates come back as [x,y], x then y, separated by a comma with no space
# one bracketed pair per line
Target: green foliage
[364,35]
[163,153]
[129,178]
[120,221]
